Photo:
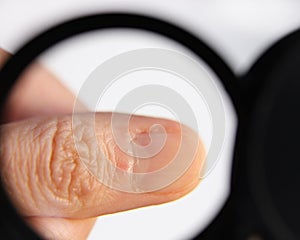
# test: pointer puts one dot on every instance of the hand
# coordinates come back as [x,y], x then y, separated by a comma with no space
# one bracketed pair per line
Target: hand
[41,169]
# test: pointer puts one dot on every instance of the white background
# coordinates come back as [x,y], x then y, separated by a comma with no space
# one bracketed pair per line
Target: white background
[238,30]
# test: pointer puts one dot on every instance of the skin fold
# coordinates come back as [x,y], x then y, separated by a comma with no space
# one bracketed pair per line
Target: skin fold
[42,171]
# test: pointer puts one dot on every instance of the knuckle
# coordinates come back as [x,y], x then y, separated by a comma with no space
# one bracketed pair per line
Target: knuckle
[67,182]
[41,166]
[65,169]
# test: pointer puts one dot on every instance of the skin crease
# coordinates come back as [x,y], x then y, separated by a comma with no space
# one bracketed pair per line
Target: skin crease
[63,204]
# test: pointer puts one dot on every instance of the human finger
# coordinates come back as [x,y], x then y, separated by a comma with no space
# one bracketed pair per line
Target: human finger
[45,176]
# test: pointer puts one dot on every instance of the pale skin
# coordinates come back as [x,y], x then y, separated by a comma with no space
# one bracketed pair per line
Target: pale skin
[60,199]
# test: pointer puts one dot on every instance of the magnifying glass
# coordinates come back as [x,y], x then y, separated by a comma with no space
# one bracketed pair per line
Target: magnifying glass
[202,70]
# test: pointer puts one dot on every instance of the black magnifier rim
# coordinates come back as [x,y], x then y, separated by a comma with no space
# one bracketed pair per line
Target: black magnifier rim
[25,55]
[117,20]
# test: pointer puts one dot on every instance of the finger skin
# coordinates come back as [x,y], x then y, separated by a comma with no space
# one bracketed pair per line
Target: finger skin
[37,92]
[3,57]
[60,228]
[40,165]
[30,97]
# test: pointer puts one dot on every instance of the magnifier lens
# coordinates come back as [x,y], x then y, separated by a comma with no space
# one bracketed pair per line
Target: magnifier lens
[137,72]
[133,73]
